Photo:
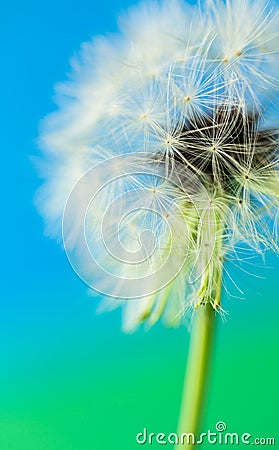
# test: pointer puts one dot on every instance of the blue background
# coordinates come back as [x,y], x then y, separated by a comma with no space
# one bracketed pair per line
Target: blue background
[69,379]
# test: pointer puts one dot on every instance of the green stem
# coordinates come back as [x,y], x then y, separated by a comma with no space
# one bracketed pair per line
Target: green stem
[196,375]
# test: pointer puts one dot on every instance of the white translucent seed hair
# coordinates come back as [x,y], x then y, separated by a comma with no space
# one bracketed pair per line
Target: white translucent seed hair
[189,92]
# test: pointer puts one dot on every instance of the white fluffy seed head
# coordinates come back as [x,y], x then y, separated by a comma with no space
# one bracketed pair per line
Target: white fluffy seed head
[163,146]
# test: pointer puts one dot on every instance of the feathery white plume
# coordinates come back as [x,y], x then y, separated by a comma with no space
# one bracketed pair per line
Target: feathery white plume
[163,156]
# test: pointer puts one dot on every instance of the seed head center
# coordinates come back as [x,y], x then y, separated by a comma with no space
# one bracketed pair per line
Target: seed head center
[143,116]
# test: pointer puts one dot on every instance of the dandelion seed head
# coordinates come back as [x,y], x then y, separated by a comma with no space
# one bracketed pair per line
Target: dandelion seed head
[162,158]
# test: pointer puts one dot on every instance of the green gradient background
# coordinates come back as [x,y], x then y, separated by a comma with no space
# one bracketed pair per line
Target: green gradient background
[87,386]
[70,379]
